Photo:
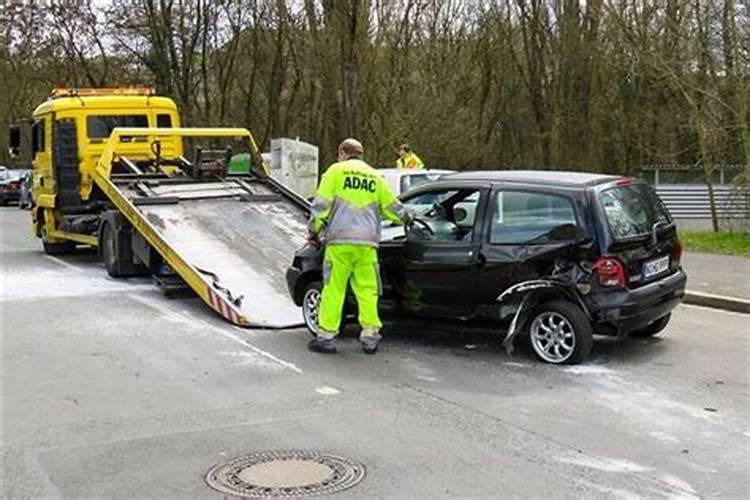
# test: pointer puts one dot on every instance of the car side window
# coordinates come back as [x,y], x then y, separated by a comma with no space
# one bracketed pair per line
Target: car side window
[528,218]
[445,215]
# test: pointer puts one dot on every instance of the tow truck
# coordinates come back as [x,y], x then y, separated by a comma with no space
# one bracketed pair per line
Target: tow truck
[113,169]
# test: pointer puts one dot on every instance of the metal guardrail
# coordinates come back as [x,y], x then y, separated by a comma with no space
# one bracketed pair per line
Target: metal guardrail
[722,173]
[691,201]
[682,188]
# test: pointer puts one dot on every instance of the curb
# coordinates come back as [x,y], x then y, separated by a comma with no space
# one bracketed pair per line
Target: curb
[717,301]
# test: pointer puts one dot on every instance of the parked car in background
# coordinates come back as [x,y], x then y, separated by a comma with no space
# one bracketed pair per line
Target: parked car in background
[402,180]
[25,199]
[10,186]
[557,256]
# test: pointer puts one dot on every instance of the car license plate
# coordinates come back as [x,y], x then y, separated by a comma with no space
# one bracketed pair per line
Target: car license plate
[655,266]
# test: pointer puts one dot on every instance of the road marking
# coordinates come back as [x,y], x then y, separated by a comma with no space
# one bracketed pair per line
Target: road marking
[61,262]
[256,350]
[184,317]
[327,390]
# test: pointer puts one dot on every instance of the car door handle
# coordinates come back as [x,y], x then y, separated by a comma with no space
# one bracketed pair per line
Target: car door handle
[480,260]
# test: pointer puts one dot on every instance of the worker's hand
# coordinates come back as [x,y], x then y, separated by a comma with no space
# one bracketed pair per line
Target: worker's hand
[312,240]
[409,218]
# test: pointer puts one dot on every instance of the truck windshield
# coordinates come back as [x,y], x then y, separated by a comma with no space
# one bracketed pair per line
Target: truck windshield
[632,210]
[100,127]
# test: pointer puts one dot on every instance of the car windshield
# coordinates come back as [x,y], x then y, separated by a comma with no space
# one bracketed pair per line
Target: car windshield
[415,180]
[632,210]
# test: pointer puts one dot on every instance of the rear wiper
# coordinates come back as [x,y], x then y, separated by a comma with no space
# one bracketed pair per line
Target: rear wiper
[654,232]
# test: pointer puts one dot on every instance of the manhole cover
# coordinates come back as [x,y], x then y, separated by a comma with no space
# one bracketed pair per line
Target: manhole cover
[285,473]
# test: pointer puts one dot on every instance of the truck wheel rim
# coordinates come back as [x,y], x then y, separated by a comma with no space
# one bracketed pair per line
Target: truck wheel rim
[311,309]
[552,337]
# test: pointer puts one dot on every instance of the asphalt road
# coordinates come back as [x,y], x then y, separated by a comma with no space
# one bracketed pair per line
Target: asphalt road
[110,390]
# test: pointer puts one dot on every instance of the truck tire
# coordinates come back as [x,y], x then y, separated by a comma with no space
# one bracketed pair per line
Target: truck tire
[560,333]
[115,247]
[652,329]
[55,248]
[111,252]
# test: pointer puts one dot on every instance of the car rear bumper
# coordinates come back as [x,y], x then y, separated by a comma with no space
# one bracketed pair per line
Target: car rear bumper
[622,312]
[10,195]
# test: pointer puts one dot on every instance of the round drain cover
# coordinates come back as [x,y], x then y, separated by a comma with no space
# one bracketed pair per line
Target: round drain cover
[285,473]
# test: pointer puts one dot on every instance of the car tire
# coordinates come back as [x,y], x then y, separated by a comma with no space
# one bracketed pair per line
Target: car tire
[560,333]
[652,329]
[311,296]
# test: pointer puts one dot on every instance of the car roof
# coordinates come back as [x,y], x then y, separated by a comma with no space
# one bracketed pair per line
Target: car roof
[404,171]
[546,177]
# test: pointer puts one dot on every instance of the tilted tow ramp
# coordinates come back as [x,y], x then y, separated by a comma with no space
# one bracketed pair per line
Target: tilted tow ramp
[231,240]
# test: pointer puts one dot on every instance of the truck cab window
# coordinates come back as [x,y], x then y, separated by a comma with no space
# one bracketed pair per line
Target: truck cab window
[101,126]
[37,137]
[163,120]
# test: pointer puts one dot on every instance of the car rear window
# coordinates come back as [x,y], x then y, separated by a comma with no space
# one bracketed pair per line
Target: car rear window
[101,126]
[632,210]
[523,218]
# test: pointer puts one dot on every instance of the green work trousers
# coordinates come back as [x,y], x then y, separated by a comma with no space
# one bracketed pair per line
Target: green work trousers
[342,263]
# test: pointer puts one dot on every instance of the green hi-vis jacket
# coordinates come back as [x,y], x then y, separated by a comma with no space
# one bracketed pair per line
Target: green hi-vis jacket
[351,201]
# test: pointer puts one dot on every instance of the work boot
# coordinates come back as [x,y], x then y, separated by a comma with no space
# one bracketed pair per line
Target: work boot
[370,340]
[323,345]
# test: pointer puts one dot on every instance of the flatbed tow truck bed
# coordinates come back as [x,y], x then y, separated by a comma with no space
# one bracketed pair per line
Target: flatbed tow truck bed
[229,239]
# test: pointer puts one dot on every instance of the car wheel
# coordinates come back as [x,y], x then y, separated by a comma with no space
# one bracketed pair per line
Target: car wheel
[560,333]
[652,329]
[311,306]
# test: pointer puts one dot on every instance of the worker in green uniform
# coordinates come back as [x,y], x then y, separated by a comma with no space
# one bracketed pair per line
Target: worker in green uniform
[408,158]
[346,215]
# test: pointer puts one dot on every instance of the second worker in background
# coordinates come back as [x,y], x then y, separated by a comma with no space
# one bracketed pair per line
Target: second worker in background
[346,215]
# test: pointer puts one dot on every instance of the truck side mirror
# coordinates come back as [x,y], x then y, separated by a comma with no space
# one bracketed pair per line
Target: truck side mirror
[14,143]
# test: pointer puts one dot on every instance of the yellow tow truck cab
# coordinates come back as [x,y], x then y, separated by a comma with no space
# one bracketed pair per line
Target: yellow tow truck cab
[68,134]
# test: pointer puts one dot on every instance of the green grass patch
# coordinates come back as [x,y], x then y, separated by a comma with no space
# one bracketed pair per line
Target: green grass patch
[729,243]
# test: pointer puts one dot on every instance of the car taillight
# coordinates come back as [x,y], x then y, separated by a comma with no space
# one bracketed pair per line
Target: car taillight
[13,185]
[677,251]
[610,272]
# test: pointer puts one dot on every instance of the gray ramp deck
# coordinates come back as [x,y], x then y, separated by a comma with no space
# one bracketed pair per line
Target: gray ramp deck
[242,245]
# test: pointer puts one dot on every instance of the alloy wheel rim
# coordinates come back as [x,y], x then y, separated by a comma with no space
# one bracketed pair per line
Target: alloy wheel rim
[553,337]
[311,309]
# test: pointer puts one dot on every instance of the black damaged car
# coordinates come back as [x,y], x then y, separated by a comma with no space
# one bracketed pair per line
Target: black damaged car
[556,256]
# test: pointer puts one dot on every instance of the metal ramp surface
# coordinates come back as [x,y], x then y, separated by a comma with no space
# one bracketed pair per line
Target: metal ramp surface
[240,238]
